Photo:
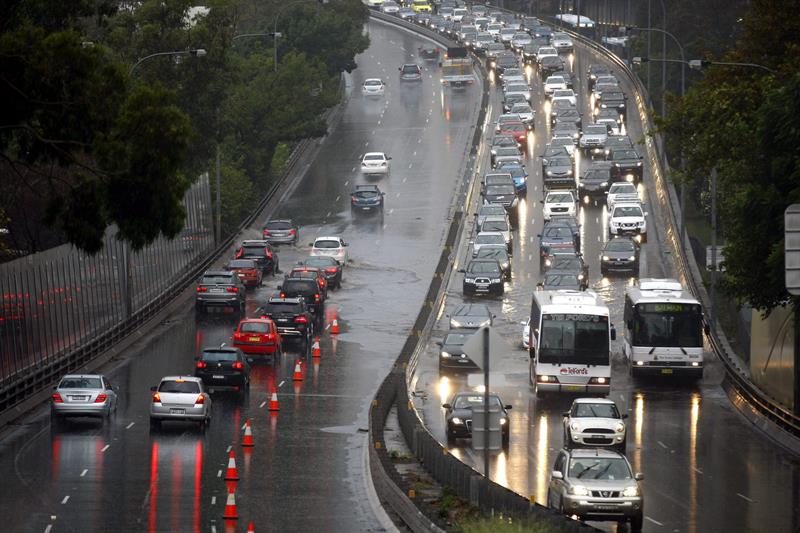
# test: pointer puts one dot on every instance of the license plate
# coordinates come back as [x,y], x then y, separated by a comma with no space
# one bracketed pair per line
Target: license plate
[215,290]
[573,388]
[177,411]
[283,320]
[367,208]
[605,507]
[78,398]
[253,339]
[666,371]
[218,377]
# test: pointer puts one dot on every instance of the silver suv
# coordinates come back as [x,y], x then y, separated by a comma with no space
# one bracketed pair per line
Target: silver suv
[596,485]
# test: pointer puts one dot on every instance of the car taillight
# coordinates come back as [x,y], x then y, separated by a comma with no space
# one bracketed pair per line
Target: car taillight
[57,398]
[316,297]
[100,398]
[301,319]
[200,399]
[322,283]
[265,233]
[292,232]
[283,295]
[331,270]
[237,336]
[237,366]
[201,364]
[239,253]
[202,289]
[233,289]
[353,199]
[156,398]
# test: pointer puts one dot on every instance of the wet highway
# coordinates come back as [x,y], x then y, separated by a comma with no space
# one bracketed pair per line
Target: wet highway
[706,469]
[305,472]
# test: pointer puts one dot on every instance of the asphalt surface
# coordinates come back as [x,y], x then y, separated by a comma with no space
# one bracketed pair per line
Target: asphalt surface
[305,472]
[705,467]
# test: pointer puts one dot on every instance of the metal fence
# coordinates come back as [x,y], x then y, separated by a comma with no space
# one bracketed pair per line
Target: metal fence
[58,300]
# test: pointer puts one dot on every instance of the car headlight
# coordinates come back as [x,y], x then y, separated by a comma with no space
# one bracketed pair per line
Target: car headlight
[619,428]
[630,492]
[514,202]
[549,172]
[455,324]
[446,355]
[580,276]
[603,184]
[574,426]
[579,490]
[469,280]
[547,262]
[503,421]
[632,258]
[638,163]
[603,106]
[496,281]
[457,421]
[621,105]
[606,258]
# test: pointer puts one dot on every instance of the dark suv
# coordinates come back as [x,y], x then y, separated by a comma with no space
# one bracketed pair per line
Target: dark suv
[556,236]
[307,289]
[220,289]
[224,367]
[367,198]
[483,276]
[262,253]
[291,316]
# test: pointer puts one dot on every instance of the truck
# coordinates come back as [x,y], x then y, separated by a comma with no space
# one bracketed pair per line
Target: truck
[457,68]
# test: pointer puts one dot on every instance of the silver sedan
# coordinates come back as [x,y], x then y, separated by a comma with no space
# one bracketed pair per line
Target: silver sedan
[83,395]
[180,398]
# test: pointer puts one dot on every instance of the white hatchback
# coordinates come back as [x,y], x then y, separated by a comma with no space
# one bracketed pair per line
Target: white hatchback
[559,203]
[334,247]
[373,87]
[594,422]
[375,163]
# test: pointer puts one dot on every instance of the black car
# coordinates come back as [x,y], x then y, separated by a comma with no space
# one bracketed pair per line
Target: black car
[617,142]
[458,415]
[505,195]
[558,173]
[504,61]
[329,266]
[428,52]
[483,276]
[529,53]
[566,113]
[291,317]
[307,289]
[366,198]
[555,236]
[499,253]
[595,70]
[280,231]
[558,280]
[262,253]
[451,351]
[550,65]
[620,254]
[568,220]
[224,367]
[471,316]
[626,165]
[220,290]
[595,181]
[613,100]
[569,262]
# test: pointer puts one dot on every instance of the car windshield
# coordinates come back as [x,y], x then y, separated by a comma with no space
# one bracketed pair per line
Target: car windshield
[474,400]
[561,279]
[304,274]
[81,383]
[668,325]
[321,262]
[562,141]
[566,263]
[595,130]
[410,69]
[595,410]
[623,188]
[253,250]
[508,152]
[373,82]
[505,140]
[281,307]
[488,210]
[216,279]
[242,263]
[495,225]
[493,252]
[300,286]
[559,198]
[568,338]
[278,224]
[219,355]
[559,162]
[373,157]
[555,80]
[515,127]
[521,109]
[624,154]
[489,238]
[327,244]
[599,468]
[620,245]
[627,211]
[512,72]
[254,327]
[179,386]
[597,174]
[456,339]
[517,88]
[499,190]
[365,194]
[558,232]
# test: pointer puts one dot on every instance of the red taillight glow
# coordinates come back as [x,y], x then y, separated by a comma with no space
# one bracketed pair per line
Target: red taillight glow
[233,289]
[201,364]
[237,336]
[57,398]
[331,270]
[292,232]
[156,398]
[316,297]
[283,295]
[202,289]
[301,320]
[237,365]
[100,398]
[200,399]
[266,233]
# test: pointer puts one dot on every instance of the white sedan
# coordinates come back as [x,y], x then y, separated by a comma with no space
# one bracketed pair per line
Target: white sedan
[375,163]
[334,247]
[373,87]
[594,422]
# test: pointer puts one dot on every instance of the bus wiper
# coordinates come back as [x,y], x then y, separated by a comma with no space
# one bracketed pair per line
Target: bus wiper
[684,351]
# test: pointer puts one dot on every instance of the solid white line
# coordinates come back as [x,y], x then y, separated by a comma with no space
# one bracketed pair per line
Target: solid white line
[656,522]
[662,444]
[263,403]
[65,500]
[219,473]
[85,470]
[742,496]
[104,448]
[48,528]
[213,500]
[129,426]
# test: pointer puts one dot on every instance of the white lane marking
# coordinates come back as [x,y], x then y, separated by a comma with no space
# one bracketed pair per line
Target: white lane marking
[353,170]
[104,448]
[348,181]
[281,384]
[662,444]
[129,426]
[397,195]
[656,522]
[697,470]
[404,180]
[219,473]
[373,132]
[337,198]
[213,500]
[742,496]
[419,141]
[366,144]
[263,404]
[65,500]
[410,165]
[228,450]
[48,528]
[391,211]
[213,528]
[415,152]
[85,470]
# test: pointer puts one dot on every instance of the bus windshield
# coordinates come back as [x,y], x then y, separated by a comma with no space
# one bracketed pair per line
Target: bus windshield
[668,325]
[574,339]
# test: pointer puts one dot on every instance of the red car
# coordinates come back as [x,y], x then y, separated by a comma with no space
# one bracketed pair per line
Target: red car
[516,129]
[247,270]
[304,272]
[257,336]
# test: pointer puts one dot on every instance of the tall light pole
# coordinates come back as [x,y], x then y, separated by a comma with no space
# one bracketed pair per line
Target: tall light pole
[194,52]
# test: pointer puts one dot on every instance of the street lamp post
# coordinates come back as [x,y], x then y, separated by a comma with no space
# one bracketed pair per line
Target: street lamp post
[194,52]
[700,64]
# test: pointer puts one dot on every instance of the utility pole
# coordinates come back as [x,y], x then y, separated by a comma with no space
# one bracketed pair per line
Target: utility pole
[218,232]
[486,417]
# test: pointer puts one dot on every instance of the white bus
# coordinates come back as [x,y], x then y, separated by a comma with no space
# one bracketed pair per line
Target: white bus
[569,343]
[663,329]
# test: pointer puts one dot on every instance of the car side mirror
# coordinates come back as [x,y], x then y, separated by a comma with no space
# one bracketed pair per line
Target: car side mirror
[638,476]
[557,475]
[508,407]
[311,244]
[565,414]
[346,244]
[613,333]
[645,213]
[388,158]
[154,388]
[439,343]
[624,416]
[279,286]
[630,324]
[447,406]
[462,271]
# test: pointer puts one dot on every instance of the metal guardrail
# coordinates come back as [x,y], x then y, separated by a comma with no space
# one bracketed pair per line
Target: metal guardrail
[469,484]
[40,377]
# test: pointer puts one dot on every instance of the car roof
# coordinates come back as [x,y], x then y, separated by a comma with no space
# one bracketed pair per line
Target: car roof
[218,273]
[594,400]
[82,376]
[182,378]
[375,153]
[594,452]
[292,300]
[328,238]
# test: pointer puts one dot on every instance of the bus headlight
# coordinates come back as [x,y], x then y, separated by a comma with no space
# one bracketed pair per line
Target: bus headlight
[546,379]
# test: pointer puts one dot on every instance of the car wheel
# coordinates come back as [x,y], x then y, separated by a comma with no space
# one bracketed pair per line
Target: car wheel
[561,506]
[636,523]
[603,271]
[539,393]
[450,438]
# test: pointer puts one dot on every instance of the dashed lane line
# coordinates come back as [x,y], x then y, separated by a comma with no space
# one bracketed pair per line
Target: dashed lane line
[656,522]
[745,498]
[263,404]
[213,500]
[65,500]
[662,444]
[129,426]
[85,470]
[104,448]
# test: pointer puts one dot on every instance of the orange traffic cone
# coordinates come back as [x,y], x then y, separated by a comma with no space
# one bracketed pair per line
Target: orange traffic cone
[298,372]
[230,507]
[273,401]
[335,327]
[251,528]
[315,350]
[232,474]
[248,435]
